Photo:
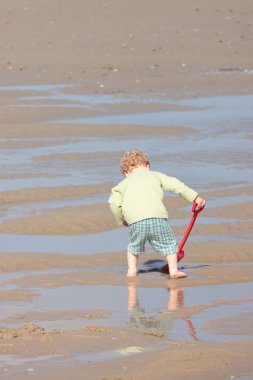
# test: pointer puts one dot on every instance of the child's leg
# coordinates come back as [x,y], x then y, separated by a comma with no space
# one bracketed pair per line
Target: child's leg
[172,263]
[132,264]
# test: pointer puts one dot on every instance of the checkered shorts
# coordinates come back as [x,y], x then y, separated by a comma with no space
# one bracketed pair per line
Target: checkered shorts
[157,232]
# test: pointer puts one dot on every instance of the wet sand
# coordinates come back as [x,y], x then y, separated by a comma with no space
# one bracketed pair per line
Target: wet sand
[175,80]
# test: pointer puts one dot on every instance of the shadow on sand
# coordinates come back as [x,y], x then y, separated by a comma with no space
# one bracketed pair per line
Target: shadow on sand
[157,265]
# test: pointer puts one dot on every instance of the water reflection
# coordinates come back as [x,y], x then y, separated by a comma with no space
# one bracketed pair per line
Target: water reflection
[160,323]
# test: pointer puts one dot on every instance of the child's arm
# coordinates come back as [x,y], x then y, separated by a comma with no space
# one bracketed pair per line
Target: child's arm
[176,186]
[115,202]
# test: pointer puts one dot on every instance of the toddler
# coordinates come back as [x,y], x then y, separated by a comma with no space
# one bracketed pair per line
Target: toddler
[137,202]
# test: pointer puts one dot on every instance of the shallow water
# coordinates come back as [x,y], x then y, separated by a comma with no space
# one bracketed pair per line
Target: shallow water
[157,308]
[217,155]
[216,111]
[17,360]
[37,208]
[11,364]
[218,152]
[222,125]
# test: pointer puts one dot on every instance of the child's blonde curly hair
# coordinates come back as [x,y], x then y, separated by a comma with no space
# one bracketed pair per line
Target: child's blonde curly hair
[133,159]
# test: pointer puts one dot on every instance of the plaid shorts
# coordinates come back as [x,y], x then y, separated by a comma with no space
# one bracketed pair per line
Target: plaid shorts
[157,232]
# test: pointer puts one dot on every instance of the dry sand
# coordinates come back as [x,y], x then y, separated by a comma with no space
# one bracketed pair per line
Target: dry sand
[154,49]
[127,46]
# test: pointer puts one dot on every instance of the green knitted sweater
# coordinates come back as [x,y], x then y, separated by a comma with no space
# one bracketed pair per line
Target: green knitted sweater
[140,195]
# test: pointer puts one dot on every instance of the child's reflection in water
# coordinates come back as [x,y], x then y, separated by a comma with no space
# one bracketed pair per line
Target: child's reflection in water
[162,322]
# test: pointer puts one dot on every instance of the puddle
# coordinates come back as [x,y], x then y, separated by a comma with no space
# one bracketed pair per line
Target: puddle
[200,320]
[11,364]
[151,311]
[94,357]
[39,88]
[38,208]
[54,93]
[12,360]
[14,365]
[82,244]
[146,309]
[228,201]
[217,110]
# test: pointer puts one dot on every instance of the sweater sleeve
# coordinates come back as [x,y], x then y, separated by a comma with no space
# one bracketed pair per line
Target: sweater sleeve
[115,203]
[176,186]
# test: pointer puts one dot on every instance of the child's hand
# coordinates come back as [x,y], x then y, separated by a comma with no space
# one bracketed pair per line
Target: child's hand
[125,224]
[200,202]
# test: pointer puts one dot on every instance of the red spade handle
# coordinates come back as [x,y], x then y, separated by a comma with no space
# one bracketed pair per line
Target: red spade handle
[195,211]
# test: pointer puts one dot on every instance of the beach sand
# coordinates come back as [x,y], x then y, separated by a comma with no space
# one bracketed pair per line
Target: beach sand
[82,82]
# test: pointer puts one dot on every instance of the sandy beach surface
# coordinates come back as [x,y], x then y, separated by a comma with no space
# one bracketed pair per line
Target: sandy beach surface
[81,82]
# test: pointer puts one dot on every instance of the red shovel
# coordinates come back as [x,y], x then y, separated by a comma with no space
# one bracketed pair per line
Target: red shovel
[180,253]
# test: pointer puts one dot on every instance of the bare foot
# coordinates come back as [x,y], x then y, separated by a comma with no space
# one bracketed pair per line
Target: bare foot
[131,273]
[178,275]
